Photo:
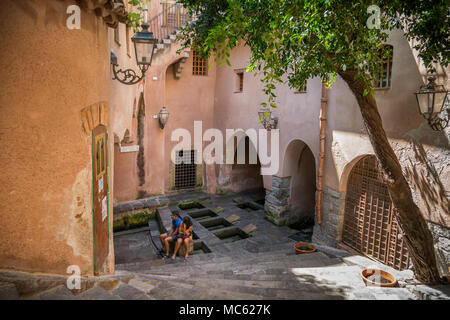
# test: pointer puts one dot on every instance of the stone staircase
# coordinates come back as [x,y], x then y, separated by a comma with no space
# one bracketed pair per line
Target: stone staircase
[272,273]
[263,275]
[166,30]
[263,266]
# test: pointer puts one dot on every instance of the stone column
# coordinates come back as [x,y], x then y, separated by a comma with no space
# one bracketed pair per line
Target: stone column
[276,208]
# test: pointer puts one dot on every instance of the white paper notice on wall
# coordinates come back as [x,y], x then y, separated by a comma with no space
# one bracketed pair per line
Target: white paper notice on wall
[104,209]
[100,184]
[134,148]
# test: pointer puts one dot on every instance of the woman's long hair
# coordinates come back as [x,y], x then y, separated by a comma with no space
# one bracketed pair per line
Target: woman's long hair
[187,222]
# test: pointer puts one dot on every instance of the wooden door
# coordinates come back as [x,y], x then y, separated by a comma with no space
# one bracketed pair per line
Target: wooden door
[370,226]
[100,198]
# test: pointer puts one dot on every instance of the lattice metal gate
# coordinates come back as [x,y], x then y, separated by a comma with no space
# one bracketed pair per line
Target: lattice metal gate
[185,169]
[369,223]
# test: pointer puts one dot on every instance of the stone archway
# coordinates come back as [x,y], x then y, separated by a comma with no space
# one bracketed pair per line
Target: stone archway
[246,175]
[242,172]
[293,196]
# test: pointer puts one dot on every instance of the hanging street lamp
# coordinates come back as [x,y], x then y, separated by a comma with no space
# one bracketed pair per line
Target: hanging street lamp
[144,46]
[434,104]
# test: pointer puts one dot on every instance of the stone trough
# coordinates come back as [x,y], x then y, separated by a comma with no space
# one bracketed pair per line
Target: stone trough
[248,206]
[202,214]
[215,224]
[200,248]
[231,234]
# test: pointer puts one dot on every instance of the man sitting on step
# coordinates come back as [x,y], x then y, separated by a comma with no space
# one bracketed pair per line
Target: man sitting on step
[176,221]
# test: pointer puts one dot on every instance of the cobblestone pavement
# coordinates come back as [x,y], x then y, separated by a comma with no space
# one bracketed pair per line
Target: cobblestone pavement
[262,266]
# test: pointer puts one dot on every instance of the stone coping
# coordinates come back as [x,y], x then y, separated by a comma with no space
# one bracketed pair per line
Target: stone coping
[158,201]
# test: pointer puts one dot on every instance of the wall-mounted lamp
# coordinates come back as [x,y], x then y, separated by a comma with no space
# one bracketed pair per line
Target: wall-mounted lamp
[144,45]
[162,116]
[267,119]
[433,104]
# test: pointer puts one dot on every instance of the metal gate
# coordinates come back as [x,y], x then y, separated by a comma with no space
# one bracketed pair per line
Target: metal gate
[369,223]
[185,169]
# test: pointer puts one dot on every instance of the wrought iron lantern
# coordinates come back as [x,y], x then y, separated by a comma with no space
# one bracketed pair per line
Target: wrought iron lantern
[144,46]
[433,104]
[163,117]
[267,119]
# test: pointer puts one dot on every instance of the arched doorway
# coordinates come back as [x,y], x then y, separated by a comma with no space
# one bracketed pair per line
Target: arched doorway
[370,227]
[299,164]
[245,173]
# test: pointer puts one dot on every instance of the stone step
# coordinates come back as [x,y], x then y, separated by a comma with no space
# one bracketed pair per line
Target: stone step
[8,291]
[132,291]
[58,293]
[282,281]
[98,293]
[232,263]
[265,275]
[31,285]
[175,290]
[272,271]
[237,288]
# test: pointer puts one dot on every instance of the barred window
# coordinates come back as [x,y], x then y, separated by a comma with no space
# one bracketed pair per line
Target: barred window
[383,78]
[185,169]
[199,65]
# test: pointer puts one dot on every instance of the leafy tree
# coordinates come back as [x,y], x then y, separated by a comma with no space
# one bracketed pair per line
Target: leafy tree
[301,39]
[135,15]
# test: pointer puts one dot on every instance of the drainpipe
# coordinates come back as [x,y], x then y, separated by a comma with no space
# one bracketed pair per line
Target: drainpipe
[323,105]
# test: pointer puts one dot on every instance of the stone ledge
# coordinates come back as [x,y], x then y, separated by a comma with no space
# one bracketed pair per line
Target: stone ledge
[146,203]
[29,284]
[423,292]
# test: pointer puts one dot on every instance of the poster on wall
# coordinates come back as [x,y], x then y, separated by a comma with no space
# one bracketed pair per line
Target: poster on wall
[100,184]
[104,209]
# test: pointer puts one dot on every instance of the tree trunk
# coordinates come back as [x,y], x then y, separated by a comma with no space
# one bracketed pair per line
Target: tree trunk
[418,238]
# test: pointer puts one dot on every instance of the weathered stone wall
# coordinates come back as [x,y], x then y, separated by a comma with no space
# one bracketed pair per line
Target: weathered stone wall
[329,232]
[276,207]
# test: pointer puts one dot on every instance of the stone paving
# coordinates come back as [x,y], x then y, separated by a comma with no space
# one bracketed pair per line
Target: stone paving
[262,266]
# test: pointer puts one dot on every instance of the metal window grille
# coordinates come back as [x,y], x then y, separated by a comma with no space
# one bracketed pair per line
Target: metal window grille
[199,65]
[383,79]
[370,226]
[185,169]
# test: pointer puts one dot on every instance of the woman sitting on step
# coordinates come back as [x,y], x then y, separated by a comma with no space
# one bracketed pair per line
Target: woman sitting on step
[184,235]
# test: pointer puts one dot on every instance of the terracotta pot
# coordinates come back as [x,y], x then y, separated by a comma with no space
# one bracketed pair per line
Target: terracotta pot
[366,273]
[299,245]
